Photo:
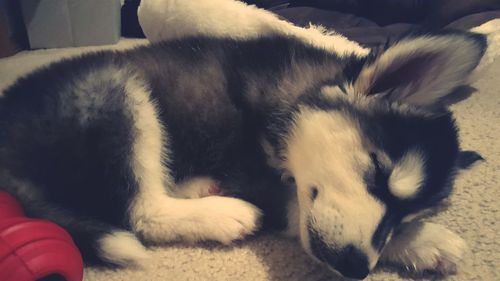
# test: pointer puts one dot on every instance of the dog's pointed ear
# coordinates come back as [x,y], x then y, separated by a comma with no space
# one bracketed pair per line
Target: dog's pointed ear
[467,159]
[421,70]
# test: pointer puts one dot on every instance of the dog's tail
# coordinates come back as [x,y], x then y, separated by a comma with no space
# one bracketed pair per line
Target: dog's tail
[99,243]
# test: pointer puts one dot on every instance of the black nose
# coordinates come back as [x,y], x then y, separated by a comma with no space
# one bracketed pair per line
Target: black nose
[352,263]
[349,261]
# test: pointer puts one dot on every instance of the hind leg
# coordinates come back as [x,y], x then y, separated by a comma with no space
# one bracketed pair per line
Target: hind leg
[197,187]
[158,217]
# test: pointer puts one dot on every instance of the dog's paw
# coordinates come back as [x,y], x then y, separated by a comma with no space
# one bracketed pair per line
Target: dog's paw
[226,219]
[425,247]
[197,187]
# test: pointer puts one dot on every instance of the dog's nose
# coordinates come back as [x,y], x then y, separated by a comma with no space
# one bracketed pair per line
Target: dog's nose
[348,261]
[352,263]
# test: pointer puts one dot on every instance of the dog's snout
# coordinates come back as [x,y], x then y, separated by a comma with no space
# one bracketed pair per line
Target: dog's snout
[352,263]
[349,261]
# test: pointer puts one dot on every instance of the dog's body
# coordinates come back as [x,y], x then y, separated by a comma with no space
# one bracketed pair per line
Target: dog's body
[189,109]
[110,144]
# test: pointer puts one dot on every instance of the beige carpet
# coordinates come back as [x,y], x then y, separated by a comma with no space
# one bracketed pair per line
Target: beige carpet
[474,212]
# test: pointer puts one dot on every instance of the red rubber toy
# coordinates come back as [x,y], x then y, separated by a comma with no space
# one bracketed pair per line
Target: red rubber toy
[31,249]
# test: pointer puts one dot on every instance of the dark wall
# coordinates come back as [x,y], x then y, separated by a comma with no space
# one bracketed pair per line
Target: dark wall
[12,31]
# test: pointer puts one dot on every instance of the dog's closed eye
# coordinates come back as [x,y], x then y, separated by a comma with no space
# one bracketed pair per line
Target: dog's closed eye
[314,193]
[377,178]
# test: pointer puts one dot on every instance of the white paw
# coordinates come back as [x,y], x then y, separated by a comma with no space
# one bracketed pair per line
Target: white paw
[423,247]
[197,187]
[226,219]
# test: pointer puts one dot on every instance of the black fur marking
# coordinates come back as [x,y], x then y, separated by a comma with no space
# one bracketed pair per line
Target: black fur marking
[353,67]
[437,140]
[385,226]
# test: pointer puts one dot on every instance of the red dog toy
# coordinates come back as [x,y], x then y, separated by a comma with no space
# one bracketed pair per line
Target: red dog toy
[31,249]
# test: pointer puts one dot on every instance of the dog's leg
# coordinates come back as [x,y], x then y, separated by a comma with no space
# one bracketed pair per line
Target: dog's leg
[156,216]
[159,218]
[197,187]
[419,247]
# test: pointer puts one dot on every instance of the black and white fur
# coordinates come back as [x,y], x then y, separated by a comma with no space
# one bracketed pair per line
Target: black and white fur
[110,144]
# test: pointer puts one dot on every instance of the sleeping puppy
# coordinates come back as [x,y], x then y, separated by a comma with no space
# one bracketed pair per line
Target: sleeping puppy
[341,151]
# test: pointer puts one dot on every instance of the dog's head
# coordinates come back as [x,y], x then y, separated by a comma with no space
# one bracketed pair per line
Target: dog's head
[370,153]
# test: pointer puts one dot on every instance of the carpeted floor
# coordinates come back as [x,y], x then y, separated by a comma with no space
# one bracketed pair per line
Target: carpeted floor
[474,211]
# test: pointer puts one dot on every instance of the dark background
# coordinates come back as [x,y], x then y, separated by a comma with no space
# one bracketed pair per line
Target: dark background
[369,22]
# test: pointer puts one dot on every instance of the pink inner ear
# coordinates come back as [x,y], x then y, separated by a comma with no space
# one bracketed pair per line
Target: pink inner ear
[412,71]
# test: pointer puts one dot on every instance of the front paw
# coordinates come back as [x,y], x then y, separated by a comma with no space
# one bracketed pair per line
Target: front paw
[227,219]
[425,247]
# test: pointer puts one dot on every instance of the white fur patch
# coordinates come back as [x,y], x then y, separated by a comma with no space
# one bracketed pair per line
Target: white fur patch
[407,176]
[123,248]
[319,142]
[150,143]
[326,151]
[151,200]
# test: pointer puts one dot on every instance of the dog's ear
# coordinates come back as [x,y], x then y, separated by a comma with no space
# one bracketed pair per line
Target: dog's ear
[422,70]
[467,158]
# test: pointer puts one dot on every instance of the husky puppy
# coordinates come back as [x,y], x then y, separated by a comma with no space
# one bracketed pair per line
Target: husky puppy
[123,147]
